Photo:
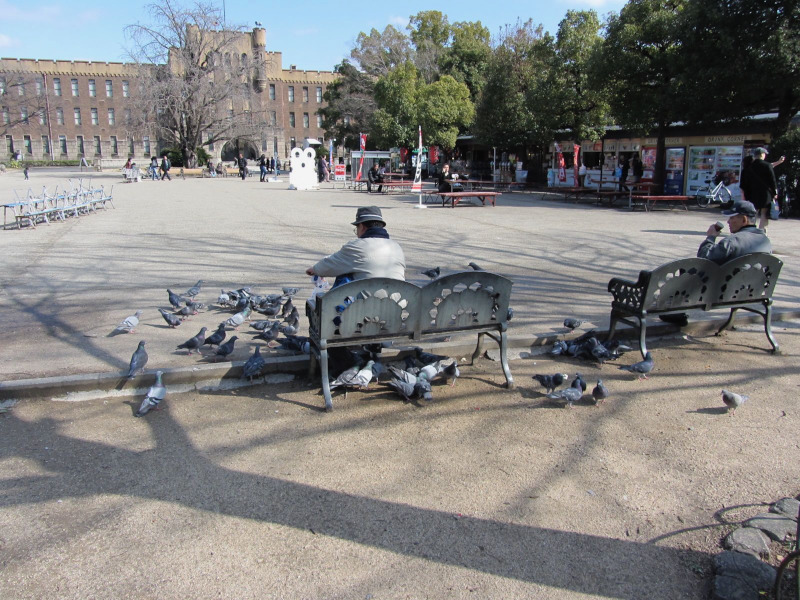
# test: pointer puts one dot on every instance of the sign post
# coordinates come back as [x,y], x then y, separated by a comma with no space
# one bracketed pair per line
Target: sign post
[417,186]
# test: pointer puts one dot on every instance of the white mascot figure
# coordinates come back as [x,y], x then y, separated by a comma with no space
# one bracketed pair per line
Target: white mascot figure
[303,169]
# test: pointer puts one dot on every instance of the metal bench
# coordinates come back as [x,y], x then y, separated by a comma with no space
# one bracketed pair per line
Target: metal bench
[384,309]
[745,283]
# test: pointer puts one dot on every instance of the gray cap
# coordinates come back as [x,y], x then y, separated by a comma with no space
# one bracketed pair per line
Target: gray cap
[742,207]
[368,213]
[759,151]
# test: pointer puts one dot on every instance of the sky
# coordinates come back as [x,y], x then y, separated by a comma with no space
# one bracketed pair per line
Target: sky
[311,35]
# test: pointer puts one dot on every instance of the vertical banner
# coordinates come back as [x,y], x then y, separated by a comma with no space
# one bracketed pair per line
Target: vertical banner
[433,155]
[363,145]
[562,171]
[417,186]
[330,155]
[576,149]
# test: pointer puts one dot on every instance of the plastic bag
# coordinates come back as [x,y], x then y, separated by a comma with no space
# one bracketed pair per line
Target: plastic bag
[774,210]
[320,287]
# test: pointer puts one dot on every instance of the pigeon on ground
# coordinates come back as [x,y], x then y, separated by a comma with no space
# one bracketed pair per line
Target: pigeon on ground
[578,382]
[570,394]
[426,358]
[154,396]
[238,318]
[474,266]
[287,308]
[195,342]
[560,347]
[289,330]
[224,299]
[509,314]
[215,339]
[242,303]
[129,324]
[379,370]
[185,311]
[423,390]
[175,300]
[290,291]
[194,290]
[270,334]
[354,377]
[295,343]
[195,306]
[733,400]
[138,360]
[430,372]
[171,319]
[293,318]
[451,372]
[402,375]
[432,273]
[571,323]
[253,365]
[403,388]
[551,382]
[223,350]
[269,310]
[642,368]
[262,324]
[600,392]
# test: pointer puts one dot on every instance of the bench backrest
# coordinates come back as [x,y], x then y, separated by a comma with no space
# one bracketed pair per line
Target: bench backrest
[748,278]
[465,300]
[680,285]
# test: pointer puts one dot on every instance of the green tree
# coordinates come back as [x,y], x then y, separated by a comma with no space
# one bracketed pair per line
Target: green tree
[445,110]
[377,53]
[396,119]
[430,33]
[466,59]
[350,104]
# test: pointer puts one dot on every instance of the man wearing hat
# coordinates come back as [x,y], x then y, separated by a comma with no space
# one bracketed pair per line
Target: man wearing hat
[759,185]
[745,238]
[372,254]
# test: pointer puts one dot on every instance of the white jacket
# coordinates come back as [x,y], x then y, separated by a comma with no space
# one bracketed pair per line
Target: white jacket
[365,257]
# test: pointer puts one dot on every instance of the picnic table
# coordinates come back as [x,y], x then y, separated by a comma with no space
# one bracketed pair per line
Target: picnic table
[395,185]
[650,201]
[456,197]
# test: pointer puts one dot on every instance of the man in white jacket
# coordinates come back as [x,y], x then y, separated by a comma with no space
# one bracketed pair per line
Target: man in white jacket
[372,254]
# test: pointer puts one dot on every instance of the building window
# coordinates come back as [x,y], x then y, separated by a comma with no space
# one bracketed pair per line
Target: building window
[127,116]
[95,117]
[28,146]
[45,145]
[6,116]
[272,91]
[42,118]
[264,145]
[305,120]
[23,113]
[56,86]
[109,89]
[292,142]
[291,121]
[275,146]
[319,120]
[74,84]
[97,148]
[92,88]
[21,89]
[77,113]
[126,91]
[210,143]
[114,147]
[80,144]
[62,144]
[305,94]
[273,118]
[111,119]
[146,142]
[2,87]
[39,87]
[319,94]
[9,144]
[60,116]
[130,146]
[291,93]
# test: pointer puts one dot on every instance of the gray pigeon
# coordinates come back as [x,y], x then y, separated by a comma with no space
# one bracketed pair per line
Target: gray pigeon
[570,394]
[423,390]
[430,372]
[426,358]
[262,324]
[551,382]
[474,266]
[509,314]
[174,299]
[405,389]
[642,368]
[195,342]
[290,291]
[451,372]
[578,382]
[155,395]
[571,323]
[185,312]
[294,343]
[733,400]
[227,348]
[238,318]
[432,273]
[600,392]
[224,299]
[138,360]
[402,375]
[270,334]
[253,365]
[354,377]
[194,290]
[171,319]
[560,347]
[215,339]
[129,324]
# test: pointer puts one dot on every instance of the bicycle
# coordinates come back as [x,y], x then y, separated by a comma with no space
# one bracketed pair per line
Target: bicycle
[719,194]
[784,199]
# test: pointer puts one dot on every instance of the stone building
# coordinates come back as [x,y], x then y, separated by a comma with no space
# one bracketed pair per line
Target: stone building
[87,107]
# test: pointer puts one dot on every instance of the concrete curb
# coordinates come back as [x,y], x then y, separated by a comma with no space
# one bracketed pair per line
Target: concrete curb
[228,375]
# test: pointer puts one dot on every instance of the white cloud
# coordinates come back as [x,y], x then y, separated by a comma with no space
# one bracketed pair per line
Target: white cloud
[399,21]
[41,14]
[7,41]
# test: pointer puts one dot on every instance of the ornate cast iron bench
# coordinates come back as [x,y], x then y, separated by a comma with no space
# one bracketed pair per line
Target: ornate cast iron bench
[390,310]
[745,283]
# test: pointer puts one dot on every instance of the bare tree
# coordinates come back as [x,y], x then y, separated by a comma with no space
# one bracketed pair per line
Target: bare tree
[22,100]
[195,87]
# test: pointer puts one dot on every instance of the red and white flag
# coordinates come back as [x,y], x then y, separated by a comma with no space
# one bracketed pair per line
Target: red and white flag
[417,186]
[562,170]
[363,145]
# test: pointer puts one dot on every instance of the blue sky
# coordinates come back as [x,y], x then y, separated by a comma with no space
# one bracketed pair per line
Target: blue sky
[312,35]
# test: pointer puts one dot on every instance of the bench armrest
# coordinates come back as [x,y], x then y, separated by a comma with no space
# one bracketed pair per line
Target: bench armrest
[629,295]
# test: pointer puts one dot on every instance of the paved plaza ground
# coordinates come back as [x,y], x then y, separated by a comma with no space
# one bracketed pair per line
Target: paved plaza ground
[486,493]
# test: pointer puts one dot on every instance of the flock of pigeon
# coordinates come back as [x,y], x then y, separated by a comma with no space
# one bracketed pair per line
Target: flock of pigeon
[588,347]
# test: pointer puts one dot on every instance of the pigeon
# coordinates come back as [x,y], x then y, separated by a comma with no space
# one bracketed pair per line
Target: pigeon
[289,330]
[402,375]
[194,290]
[570,394]
[195,342]
[242,303]
[223,350]
[403,388]
[354,377]
[129,324]
[270,310]
[174,299]
[293,317]
[571,323]
[224,299]
[560,347]
[238,318]
[154,395]
[138,360]
[474,267]
[253,365]
[600,392]
[287,308]
[509,314]
[295,343]
[578,382]
[215,339]
[378,370]
[451,372]
[733,400]
[290,291]
[270,334]
[642,367]
[185,311]
[262,324]
[423,390]
[195,306]
[171,319]
[551,382]
[426,358]
[430,372]
[432,273]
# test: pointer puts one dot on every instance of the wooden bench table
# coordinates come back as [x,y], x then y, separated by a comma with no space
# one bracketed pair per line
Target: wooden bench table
[395,185]
[456,197]
[649,201]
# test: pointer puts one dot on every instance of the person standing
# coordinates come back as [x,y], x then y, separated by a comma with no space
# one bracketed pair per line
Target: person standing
[623,177]
[165,167]
[760,186]
[25,171]
[272,164]
[638,168]
[242,163]
[153,168]
[262,165]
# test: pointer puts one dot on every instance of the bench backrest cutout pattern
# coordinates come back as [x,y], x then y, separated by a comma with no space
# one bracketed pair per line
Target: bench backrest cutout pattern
[750,277]
[465,300]
[681,284]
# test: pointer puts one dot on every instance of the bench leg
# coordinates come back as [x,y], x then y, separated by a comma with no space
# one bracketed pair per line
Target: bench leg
[478,349]
[642,335]
[728,323]
[768,326]
[504,359]
[326,384]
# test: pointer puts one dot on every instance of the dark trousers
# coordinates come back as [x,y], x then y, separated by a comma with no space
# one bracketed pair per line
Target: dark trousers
[165,174]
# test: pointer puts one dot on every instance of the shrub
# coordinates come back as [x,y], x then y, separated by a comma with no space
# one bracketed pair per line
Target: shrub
[788,145]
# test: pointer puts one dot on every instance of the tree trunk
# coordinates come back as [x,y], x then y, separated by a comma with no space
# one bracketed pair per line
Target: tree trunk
[661,160]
